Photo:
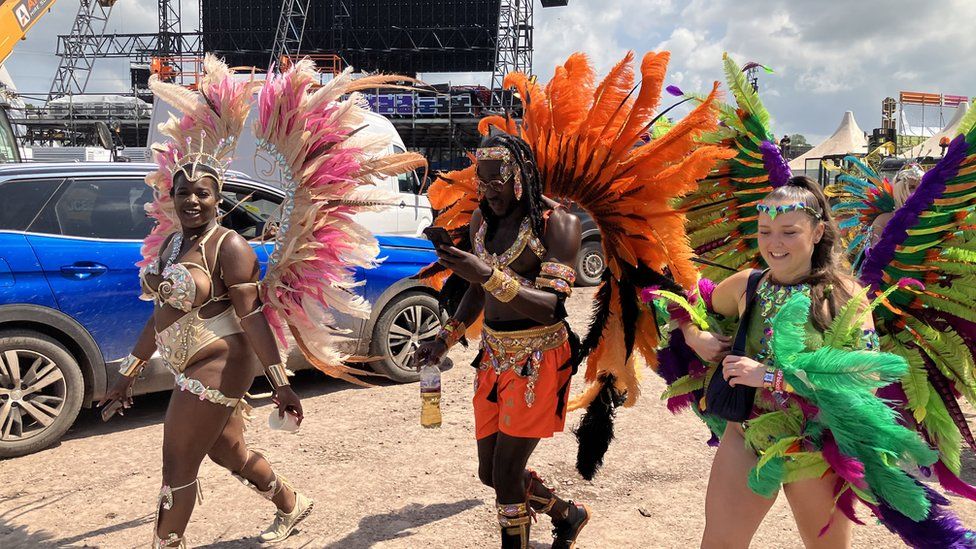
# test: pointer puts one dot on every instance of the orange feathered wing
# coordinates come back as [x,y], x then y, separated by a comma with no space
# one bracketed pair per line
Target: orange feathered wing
[586,138]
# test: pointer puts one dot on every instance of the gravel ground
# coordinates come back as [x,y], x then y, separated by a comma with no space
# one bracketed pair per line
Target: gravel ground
[379,479]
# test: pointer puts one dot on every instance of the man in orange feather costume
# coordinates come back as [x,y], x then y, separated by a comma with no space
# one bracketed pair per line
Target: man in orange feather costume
[580,141]
[518,276]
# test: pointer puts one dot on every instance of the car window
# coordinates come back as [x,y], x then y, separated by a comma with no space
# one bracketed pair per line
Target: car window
[99,208]
[21,200]
[249,212]
[406,182]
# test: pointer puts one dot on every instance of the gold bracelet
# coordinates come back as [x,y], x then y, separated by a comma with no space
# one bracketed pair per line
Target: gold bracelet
[494,281]
[131,366]
[510,288]
[277,375]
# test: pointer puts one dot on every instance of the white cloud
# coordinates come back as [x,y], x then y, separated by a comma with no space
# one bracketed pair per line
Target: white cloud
[829,55]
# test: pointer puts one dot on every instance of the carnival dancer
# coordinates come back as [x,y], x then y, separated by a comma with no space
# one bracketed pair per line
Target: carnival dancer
[211,313]
[581,142]
[811,421]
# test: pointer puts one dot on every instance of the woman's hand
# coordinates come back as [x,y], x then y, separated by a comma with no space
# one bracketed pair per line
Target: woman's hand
[709,346]
[120,391]
[465,265]
[288,401]
[741,370]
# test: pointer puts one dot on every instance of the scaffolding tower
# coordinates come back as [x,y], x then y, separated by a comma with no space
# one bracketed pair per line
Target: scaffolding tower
[513,47]
[291,30]
[77,61]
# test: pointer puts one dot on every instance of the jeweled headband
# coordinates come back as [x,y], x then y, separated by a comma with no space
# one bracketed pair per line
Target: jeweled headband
[773,211]
[189,163]
[505,156]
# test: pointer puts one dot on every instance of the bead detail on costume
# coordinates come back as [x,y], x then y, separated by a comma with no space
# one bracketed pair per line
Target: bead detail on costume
[502,261]
[521,350]
[196,387]
[770,297]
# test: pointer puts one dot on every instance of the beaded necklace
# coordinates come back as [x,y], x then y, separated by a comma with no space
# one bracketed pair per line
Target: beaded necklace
[771,297]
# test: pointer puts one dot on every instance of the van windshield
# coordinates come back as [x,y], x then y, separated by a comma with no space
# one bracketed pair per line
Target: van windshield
[8,142]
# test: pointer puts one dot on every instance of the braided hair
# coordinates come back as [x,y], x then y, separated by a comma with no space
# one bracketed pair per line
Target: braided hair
[532,185]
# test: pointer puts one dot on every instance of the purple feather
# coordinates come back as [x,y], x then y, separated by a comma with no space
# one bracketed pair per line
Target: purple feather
[933,186]
[777,168]
[705,289]
[952,483]
[941,529]
[674,90]
[846,467]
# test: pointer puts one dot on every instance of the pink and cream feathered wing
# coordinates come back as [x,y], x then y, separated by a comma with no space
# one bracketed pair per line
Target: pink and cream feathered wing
[312,141]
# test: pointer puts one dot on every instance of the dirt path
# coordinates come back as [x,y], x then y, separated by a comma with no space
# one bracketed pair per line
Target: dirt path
[379,479]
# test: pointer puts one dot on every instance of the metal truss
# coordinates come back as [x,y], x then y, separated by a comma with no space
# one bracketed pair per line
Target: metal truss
[74,69]
[291,30]
[513,49]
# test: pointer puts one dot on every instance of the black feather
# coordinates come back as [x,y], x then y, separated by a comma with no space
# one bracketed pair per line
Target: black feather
[629,309]
[943,386]
[595,431]
[601,313]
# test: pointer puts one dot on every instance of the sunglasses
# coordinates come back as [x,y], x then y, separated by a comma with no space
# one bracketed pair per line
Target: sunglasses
[495,185]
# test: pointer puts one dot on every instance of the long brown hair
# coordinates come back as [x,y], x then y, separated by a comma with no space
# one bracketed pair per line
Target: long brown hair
[829,277]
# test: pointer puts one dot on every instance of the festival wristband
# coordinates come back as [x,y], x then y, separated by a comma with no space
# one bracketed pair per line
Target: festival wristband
[769,378]
[277,375]
[451,332]
[132,366]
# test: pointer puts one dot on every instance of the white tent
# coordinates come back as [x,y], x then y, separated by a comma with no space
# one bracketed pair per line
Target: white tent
[848,138]
[930,147]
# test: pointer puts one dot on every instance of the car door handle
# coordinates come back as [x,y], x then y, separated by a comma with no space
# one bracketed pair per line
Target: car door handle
[83,269]
[403,204]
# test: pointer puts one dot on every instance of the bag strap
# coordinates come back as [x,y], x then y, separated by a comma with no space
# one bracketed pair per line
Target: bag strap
[739,344]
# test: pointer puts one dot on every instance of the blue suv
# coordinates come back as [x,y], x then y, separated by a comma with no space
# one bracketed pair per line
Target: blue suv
[69,239]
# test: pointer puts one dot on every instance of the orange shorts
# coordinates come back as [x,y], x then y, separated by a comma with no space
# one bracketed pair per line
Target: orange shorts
[501,403]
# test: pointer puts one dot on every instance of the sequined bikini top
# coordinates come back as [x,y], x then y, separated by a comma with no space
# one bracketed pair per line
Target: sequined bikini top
[177,287]
[525,238]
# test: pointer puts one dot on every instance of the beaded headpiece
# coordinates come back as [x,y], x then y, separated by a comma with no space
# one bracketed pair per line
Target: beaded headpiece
[508,165]
[912,170]
[773,211]
[188,163]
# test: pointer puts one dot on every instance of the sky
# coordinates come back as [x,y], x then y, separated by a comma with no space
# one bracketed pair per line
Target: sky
[828,55]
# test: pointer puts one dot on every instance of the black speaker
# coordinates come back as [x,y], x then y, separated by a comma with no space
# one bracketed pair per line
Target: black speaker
[554,3]
[880,136]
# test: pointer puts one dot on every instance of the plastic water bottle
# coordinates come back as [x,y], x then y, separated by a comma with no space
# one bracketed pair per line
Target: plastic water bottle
[430,396]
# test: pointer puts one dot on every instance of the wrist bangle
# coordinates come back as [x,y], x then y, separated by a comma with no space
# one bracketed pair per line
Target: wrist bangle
[778,382]
[502,286]
[451,332]
[131,366]
[277,375]
[769,378]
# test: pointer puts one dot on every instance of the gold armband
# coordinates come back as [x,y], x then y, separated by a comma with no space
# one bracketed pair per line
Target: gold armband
[552,269]
[277,375]
[503,286]
[132,366]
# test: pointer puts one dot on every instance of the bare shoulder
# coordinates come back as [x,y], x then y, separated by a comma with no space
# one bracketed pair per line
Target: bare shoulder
[563,224]
[234,248]
[563,234]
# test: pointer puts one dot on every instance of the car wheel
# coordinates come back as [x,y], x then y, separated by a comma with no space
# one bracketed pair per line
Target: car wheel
[41,392]
[590,265]
[405,323]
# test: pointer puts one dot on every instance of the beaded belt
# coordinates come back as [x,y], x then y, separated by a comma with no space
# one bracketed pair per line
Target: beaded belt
[510,350]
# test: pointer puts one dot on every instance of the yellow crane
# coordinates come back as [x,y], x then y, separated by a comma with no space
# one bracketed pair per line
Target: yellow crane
[16,18]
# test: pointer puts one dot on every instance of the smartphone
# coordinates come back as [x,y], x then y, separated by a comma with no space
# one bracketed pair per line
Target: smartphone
[438,236]
[111,409]
[114,406]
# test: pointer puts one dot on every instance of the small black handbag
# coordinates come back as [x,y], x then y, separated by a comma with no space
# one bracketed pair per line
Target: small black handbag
[721,399]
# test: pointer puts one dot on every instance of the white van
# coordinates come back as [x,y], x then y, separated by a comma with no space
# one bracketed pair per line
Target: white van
[412,214]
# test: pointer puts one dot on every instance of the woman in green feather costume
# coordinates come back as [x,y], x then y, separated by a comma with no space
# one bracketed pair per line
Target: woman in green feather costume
[817,429]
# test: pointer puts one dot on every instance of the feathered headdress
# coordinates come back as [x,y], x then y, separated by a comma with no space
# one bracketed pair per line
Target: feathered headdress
[206,133]
[328,168]
[589,143]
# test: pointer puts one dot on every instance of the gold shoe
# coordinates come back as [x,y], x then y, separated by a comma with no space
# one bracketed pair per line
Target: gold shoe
[285,523]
